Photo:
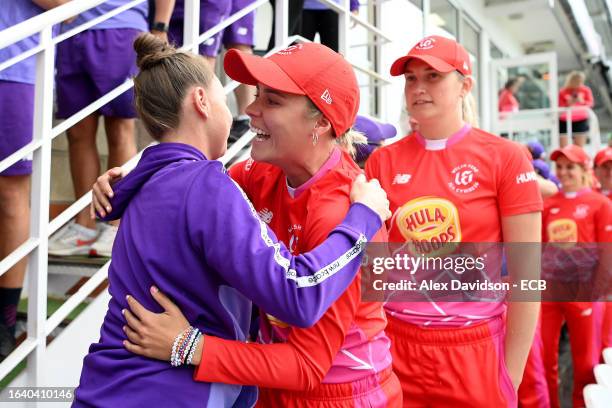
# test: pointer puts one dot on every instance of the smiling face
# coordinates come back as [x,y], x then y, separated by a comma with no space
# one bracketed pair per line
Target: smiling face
[284,124]
[432,95]
[603,173]
[570,174]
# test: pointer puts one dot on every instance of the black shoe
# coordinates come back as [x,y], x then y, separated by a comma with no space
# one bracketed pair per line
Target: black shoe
[239,128]
[7,342]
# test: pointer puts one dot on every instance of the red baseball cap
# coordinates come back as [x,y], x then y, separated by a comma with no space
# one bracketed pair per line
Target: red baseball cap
[574,153]
[440,53]
[603,156]
[309,69]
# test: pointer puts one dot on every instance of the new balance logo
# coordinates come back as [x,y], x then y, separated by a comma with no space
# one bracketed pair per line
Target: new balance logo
[402,178]
[327,97]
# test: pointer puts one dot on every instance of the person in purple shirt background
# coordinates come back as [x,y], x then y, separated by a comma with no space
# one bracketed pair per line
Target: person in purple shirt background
[16,127]
[376,132]
[239,35]
[89,65]
[188,229]
[318,18]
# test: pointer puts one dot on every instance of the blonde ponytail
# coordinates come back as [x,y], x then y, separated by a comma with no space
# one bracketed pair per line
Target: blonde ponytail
[348,140]
[468,110]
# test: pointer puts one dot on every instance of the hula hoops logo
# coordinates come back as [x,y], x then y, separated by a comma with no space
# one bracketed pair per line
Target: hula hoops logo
[426,44]
[564,231]
[291,49]
[430,223]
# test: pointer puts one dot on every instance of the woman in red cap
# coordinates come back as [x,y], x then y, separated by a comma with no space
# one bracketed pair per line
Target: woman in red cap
[450,182]
[298,181]
[603,172]
[576,215]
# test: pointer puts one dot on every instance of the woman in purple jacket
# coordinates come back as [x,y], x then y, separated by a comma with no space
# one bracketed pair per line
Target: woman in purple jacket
[189,229]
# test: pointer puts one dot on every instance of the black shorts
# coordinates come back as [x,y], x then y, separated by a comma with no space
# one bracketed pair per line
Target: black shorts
[580,126]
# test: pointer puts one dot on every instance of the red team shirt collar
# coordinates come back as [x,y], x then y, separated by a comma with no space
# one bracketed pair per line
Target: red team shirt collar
[442,144]
[578,193]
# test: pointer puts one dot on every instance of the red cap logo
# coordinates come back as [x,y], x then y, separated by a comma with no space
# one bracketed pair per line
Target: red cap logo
[290,50]
[441,53]
[426,44]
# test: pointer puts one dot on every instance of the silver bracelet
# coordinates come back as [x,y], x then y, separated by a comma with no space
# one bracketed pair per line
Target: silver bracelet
[193,348]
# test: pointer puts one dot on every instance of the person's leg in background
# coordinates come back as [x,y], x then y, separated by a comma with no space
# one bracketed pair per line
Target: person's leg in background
[295,19]
[75,90]
[309,24]
[241,36]
[14,231]
[328,28]
[580,139]
[582,319]
[552,317]
[606,331]
[84,164]
[533,391]
[580,130]
[16,124]
[121,141]
[563,138]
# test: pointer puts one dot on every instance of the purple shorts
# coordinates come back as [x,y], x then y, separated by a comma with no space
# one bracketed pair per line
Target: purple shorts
[93,63]
[211,14]
[16,123]
[242,31]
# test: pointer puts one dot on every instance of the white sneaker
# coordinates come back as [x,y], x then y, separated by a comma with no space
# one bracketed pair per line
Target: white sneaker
[72,239]
[104,244]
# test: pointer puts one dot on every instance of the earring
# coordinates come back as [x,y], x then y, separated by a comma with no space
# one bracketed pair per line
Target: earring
[315,138]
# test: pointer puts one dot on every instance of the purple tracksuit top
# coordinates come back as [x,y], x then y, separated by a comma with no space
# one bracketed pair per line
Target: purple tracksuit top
[189,229]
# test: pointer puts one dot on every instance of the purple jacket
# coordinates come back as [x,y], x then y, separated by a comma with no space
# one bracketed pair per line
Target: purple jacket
[189,229]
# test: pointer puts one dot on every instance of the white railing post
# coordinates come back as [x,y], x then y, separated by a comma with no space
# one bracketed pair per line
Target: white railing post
[191,28]
[281,22]
[344,24]
[41,179]
[553,97]
[380,94]
[426,10]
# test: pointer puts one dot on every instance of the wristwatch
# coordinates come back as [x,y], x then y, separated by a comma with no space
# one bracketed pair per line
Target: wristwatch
[160,26]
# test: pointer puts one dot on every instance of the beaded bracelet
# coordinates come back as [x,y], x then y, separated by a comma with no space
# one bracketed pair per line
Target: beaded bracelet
[192,338]
[174,347]
[193,349]
[184,346]
[179,341]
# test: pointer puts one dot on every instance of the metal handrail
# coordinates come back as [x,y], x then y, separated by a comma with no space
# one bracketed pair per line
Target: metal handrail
[51,17]
[505,122]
